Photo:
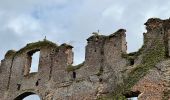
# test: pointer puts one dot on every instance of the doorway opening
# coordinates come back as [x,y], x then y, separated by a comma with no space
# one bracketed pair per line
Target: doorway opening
[28,96]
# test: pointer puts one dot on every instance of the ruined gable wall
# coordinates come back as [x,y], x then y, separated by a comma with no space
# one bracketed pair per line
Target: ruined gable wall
[107,68]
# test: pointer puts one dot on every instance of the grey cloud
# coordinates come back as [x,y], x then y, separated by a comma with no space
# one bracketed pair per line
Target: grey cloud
[8,40]
[75,20]
[72,21]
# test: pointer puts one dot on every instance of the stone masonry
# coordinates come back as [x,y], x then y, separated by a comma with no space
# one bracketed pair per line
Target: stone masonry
[108,72]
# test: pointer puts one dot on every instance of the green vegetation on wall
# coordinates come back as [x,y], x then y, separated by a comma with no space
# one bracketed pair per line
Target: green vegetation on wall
[150,57]
[38,45]
[73,68]
[31,46]
[166,95]
[10,53]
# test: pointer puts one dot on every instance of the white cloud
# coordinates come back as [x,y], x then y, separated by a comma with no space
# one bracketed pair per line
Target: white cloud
[23,25]
[75,20]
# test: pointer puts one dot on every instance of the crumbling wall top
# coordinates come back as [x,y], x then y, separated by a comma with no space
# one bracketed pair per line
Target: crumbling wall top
[10,53]
[33,46]
[106,63]
[66,45]
[153,23]
[96,36]
[38,45]
[118,32]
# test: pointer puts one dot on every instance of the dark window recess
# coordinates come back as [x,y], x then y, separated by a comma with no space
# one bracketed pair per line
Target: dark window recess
[95,50]
[132,61]
[18,86]
[74,75]
[102,52]
[132,94]
[100,79]
[114,45]
[102,60]
[37,83]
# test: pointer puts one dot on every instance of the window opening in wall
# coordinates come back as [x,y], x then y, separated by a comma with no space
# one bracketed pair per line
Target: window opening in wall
[132,95]
[100,79]
[74,75]
[37,83]
[102,52]
[35,62]
[132,62]
[18,86]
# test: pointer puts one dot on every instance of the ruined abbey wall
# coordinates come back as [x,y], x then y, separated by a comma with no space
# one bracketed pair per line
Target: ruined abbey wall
[108,72]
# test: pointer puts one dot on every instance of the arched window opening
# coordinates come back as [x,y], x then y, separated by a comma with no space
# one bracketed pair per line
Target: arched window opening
[28,96]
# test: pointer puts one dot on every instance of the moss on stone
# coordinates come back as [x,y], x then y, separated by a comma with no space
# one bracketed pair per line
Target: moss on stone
[73,68]
[36,45]
[134,55]
[166,95]
[66,45]
[112,97]
[150,58]
[10,53]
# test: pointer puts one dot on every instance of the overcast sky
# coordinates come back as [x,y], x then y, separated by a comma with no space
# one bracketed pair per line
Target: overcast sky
[73,21]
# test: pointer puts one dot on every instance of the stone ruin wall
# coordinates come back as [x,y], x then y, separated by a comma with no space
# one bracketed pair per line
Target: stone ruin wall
[108,72]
